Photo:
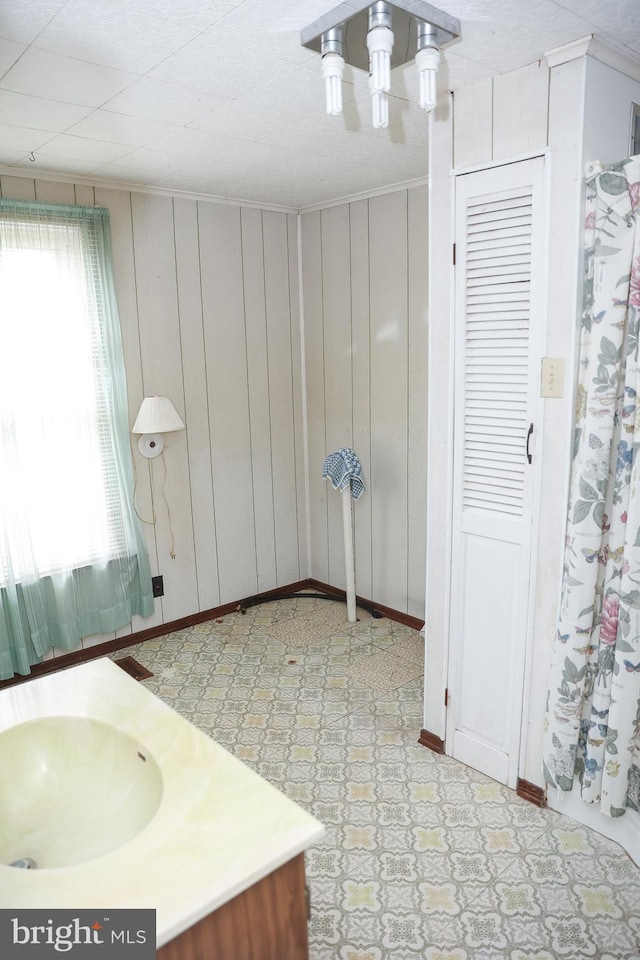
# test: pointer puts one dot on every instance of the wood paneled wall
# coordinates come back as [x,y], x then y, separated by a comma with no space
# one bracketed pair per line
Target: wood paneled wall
[365,322]
[502,117]
[209,310]
[209,307]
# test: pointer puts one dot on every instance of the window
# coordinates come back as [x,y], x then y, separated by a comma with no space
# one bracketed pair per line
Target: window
[66,509]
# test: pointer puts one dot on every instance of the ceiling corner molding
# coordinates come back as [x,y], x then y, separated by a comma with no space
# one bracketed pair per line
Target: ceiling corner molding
[611,57]
[365,195]
[593,46]
[86,180]
[569,51]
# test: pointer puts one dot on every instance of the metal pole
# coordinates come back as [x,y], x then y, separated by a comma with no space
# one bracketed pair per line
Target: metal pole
[349,558]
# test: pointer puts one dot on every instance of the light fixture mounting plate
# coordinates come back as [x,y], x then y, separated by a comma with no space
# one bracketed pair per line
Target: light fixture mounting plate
[352,16]
[151,445]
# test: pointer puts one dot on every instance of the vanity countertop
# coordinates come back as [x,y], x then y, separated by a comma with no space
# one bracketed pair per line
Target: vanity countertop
[218,830]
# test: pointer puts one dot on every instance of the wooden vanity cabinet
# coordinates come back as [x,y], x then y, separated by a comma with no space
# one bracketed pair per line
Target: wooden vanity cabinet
[266,922]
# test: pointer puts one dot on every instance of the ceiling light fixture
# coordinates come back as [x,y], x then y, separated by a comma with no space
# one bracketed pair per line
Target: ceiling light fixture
[380,45]
[377,37]
[332,69]
[427,61]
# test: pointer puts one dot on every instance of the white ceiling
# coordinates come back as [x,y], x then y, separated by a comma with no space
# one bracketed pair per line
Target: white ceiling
[218,97]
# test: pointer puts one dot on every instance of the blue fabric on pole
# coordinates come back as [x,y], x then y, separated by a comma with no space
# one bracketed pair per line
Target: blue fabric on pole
[343,469]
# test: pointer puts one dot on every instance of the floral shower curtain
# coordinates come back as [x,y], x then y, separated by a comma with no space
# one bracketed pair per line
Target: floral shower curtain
[593,711]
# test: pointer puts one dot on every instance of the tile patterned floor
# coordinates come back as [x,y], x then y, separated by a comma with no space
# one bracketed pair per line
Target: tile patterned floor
[424,858]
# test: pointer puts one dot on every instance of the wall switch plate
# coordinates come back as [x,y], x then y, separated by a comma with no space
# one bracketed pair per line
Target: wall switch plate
[552,381]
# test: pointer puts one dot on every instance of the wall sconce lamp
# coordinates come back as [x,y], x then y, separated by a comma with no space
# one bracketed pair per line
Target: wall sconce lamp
[157,415]
[376,37]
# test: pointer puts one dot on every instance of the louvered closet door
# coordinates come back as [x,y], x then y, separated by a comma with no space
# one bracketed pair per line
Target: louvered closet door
[499,315]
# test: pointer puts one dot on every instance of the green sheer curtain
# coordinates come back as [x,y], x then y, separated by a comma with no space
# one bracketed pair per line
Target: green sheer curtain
[72,555]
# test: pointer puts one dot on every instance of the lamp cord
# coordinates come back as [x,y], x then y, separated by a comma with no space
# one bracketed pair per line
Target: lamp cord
[172,551]
[151,523]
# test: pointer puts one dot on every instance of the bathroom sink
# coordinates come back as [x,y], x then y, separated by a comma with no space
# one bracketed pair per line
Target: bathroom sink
[72,789]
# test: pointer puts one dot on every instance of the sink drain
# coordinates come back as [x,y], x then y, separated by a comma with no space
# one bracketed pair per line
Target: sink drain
[25,863]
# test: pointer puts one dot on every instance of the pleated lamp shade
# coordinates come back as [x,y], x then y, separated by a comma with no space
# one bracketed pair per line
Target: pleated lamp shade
[157,415]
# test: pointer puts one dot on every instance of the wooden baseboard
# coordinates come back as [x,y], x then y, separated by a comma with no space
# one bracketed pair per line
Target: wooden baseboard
[389,612]
[531,792]
[269,595]
[110,646]
[429,740]
[525,789]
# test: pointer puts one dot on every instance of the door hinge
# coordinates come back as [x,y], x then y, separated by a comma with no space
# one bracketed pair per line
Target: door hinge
[446,697]
[454,254]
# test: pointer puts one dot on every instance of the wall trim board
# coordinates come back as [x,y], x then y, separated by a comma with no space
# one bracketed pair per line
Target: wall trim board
[601,51]
[132,187]
[524,789]
[531,792]
[440,363]
[594,46]
[75,657]
[431,741]
[389,612]
[501,162]
[568,51]
[303,378]
[365,195]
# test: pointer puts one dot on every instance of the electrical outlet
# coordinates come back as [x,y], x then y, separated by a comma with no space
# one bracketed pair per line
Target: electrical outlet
[552,381]
[157,584]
